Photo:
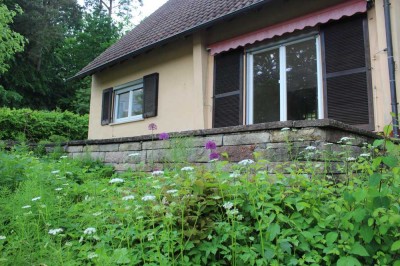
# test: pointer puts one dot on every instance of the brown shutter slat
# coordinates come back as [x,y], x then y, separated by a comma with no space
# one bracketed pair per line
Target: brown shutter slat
[106,110]
[150,95]
[347,74]
[228,87]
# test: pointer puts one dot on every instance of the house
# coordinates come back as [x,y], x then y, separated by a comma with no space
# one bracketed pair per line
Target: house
[200,64]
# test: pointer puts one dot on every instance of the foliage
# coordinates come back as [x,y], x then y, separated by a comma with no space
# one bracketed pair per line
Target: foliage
[77,212]
[41,125]
[62,40]
[11,41]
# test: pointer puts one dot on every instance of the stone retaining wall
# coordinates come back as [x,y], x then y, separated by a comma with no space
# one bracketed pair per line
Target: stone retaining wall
[277,143]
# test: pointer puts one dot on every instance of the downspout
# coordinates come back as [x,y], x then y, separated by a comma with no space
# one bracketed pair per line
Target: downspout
[392,77]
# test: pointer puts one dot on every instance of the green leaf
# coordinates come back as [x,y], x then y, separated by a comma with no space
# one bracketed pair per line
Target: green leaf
[348,261]
[379,202]
[360,194]
[367,233]
[274,230]
[378,142]
[357,249]
[331,237]
[302,205]
[390,161]
[395,246]
[396,263]
[121,256]
[375,179]
[359,214]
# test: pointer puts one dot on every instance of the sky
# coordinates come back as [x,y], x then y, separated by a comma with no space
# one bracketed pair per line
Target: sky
[149,6]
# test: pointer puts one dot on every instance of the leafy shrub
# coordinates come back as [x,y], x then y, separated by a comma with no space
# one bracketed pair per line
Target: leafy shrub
[41,125]
[86,215]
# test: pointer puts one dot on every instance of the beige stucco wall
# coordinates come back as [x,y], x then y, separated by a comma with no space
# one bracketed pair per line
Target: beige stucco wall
[186,71]
[174,63]
[379,61]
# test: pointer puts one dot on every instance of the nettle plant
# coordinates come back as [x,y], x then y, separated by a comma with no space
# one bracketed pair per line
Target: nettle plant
[78,212]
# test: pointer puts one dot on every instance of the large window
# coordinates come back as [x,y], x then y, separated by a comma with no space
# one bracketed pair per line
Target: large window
[128,103]
[284,82]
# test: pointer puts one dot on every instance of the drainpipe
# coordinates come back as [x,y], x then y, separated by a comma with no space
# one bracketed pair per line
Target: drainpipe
[392,77]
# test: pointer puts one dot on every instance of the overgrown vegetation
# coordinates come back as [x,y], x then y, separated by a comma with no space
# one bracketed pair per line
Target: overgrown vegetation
[34,126]
[78,212]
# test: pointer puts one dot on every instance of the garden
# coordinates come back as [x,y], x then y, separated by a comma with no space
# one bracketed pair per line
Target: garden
[55,210]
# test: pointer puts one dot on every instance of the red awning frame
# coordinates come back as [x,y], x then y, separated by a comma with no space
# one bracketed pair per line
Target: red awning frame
[346,9]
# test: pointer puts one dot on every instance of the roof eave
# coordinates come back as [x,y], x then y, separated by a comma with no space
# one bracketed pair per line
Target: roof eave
[169,39]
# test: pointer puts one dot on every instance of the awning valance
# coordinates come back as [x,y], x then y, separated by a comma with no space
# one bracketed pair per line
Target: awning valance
[348,8]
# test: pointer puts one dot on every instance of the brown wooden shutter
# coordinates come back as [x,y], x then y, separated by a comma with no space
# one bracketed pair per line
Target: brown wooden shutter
[106,110]
[347,72]
[228,88]
[150,95]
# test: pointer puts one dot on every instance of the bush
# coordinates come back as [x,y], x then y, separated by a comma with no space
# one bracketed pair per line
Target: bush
[41,125]
[77,212]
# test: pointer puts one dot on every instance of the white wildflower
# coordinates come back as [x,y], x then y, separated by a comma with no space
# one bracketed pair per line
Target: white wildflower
[346,139]
[26,207]
[172,191]
[350,159]
[97,213]
[310,148]
[89,231]
[37,198]
[55,231]
[55,171]
[187,169]
[134,155]
[58,189]
[365,154]
[209,237]
[157,173]
[68,244]
[240,217]
[285,129]
[92,255]
[232,212]
[68,173]
[228,205]
[116,180]
[139,218]
[213,160]
[328,144]
[3,237]
[300,139]
[246,162]
[148,198]
[251,238]
[150,237]
[234,175]
[63,157]
[130,197]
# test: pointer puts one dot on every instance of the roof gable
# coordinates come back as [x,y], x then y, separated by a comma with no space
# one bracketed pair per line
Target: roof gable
[174,18]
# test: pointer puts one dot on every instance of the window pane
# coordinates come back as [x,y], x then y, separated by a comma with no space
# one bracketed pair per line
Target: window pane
[301,72]
[137,102]
[123,105]
[266,101]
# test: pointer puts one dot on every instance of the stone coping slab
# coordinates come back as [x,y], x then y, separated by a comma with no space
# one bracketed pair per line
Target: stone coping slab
[319,123]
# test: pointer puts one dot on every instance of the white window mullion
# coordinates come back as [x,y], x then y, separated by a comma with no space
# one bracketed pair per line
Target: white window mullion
[130,103]
[250,100]
[320,90]
[283,83]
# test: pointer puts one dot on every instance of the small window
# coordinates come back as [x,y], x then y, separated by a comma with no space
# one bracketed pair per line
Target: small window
[128,102]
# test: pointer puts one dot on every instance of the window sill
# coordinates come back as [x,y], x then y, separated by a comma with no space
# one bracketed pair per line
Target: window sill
[129,120]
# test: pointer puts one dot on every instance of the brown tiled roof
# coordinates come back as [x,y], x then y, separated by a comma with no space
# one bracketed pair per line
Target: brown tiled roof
[175,18]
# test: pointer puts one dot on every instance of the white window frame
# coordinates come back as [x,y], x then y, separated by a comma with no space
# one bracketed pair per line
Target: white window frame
[128,87]
[282,82]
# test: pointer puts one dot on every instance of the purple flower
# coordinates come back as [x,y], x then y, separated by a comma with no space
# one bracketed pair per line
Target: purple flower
[210,145]
[152,127]
[214,155]
[163,136]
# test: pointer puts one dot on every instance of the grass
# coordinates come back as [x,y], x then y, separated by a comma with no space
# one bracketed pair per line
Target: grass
[60,211]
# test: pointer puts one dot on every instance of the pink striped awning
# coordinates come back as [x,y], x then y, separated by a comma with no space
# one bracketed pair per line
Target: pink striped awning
[336,12]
